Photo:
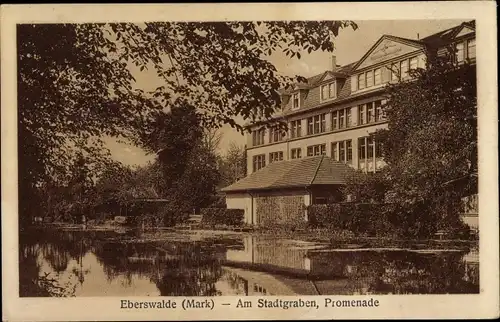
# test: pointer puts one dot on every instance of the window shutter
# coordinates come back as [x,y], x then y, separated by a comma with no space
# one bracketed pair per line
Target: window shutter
[354,83]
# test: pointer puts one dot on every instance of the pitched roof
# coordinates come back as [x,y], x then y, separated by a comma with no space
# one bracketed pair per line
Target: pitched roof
[317,170]
[407,40]
[411,42]
[447,35]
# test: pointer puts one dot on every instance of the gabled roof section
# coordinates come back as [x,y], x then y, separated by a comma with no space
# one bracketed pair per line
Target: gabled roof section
[340,72]
[318,170]
[389,47]
[448,35]
[329,74]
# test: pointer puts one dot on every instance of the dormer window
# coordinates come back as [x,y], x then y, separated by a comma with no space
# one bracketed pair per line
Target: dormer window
[295,101]
[328,91]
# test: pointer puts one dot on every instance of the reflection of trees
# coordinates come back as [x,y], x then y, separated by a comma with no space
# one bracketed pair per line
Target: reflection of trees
[31,282]
[190,276]
[57,248]
[408,272]
[186,269]
[57,257]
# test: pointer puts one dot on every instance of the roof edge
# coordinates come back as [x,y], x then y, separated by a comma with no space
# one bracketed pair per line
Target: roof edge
[317,169]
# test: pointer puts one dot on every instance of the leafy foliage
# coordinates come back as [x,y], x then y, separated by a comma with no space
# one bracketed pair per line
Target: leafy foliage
[222,216]
[366,187]
[368,218]
[233,165]
[430,142]
[188,164]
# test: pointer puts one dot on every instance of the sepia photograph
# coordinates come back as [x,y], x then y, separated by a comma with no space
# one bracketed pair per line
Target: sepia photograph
[247,158]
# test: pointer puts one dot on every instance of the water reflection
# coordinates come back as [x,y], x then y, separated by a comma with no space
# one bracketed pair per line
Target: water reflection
[93,263]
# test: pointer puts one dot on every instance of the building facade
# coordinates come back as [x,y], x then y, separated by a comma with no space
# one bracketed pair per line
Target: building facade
[333,114]
[337,110]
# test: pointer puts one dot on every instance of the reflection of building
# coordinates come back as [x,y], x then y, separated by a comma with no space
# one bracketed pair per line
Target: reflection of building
[268,267]
[332,114]
[285,259]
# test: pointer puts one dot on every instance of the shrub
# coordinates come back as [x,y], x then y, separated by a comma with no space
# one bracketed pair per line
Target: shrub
[222,216]
[370,219]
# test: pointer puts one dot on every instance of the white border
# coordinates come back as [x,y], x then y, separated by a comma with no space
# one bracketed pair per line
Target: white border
[484,305]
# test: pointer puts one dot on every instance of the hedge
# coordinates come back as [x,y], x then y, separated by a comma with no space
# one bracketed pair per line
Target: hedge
[222,216]
[364,218]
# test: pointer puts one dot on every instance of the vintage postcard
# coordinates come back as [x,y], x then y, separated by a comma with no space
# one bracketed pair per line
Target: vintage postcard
[256,161]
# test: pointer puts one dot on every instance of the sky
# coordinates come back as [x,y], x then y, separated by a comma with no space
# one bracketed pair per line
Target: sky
[350,46]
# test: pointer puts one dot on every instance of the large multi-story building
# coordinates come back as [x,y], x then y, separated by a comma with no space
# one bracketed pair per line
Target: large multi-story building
[333,114]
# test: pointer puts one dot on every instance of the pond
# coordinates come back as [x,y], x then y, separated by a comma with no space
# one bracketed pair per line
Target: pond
[106,263]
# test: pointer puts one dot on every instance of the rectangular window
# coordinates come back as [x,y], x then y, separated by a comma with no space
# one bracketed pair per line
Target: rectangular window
[348,117]
[259,162]
[341,119]
[335,120]
[348,144]
[310,125]
[275,156]
[322,124]
[277,134]
[404,68]
[371,112]
[379,114]
[361,116]
[295,101]
[328,91]
[370,148]
[394,72]
[369,78]
[296,153]
[471,49]
[342,151]
[361,81]
[258,137]
[324,92]
[296,129]
[378,149]
[335,151]
[316,124]
[414,63]
[331,90]
[316,150]
[274,134]
[460,52]
[362,148]
[378,76]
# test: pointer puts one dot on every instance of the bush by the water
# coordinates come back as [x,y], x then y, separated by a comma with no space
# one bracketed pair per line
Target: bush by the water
[222,216]
[361,218]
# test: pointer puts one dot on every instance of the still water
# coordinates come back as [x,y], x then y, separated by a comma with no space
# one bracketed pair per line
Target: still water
[97,263]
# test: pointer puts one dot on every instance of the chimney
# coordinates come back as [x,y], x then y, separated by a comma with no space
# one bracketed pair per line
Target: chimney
[334,63]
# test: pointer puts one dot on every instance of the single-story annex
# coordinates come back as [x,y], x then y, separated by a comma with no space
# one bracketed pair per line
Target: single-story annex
[281,192]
